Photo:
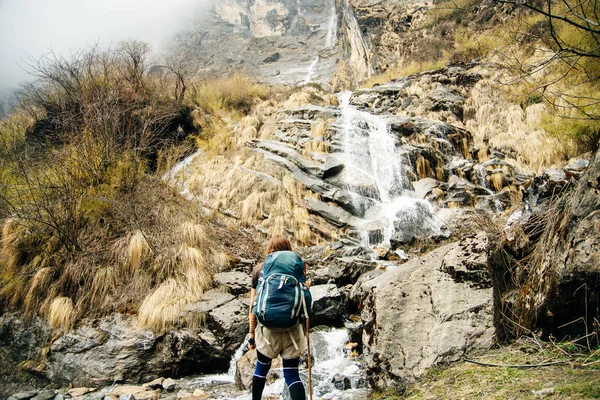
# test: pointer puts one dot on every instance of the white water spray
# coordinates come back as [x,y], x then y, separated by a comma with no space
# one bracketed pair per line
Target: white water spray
[371,148]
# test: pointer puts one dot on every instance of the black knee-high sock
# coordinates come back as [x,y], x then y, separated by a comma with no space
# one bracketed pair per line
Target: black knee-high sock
[263,364]
[292,378]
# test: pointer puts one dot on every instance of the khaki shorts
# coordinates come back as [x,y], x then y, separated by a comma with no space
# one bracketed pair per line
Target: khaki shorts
[275,342]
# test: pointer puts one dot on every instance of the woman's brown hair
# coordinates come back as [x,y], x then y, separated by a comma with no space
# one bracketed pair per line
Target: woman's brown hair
[278,243]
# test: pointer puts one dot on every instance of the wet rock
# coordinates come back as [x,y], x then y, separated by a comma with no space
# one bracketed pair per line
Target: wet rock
[341,382]
[329,305]
[169,384]
[354,328]
[417,221]
[342,270]
[245,370]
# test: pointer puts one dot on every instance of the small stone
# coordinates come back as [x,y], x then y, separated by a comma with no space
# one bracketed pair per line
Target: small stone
[543,392]
[110,397]
[183,394]
[23,396]
[341,382]
[127,397]
[169,384]
[77,392]
[155,384]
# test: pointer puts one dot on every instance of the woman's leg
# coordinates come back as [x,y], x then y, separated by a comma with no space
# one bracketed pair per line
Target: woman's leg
[263,364]
[292,378]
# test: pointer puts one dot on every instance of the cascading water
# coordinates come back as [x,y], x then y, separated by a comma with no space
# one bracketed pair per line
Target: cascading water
[332,29]
[371,149]
[311,70]
[334,375]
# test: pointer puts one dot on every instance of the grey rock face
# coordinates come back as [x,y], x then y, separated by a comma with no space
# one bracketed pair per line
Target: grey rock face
[114,349]
[282,42]
[416,315]
[236,282]
[23,337]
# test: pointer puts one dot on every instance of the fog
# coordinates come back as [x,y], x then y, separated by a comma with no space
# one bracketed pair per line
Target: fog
[30,28]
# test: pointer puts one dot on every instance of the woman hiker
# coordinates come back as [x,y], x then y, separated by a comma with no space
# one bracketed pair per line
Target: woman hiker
[289,343]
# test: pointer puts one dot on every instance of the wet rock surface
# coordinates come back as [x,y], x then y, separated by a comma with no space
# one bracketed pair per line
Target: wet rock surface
[416,316]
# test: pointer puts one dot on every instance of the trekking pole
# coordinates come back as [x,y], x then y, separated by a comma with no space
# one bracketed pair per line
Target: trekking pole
[310,391]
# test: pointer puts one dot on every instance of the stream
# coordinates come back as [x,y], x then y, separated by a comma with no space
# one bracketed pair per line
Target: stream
[335,376]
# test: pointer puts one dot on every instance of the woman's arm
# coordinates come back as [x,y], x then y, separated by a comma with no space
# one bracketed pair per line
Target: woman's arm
[251,320]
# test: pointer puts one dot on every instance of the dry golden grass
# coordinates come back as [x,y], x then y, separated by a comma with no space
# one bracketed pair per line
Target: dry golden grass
[61,314]
[104,282]
[506,126]
[497,180]
[11,238]
[37,288]
[194,235]
[138,248]
[162,309]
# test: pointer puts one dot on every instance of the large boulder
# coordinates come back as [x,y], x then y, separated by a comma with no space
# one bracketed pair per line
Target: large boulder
[428,311]
[116,349]
[561,294]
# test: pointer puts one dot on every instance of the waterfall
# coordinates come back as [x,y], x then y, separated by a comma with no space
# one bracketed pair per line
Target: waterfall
[332,29]
[311,70]
[371,149]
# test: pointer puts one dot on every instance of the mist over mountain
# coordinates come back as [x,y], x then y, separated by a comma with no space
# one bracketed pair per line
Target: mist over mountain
[30,28]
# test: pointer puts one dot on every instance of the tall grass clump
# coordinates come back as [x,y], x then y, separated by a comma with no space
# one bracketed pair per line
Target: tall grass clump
[232,93]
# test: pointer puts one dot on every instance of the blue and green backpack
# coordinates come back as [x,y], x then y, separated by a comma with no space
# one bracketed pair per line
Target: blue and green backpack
[281,293]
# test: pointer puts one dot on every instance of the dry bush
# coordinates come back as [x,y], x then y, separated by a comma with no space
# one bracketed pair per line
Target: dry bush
[234,93]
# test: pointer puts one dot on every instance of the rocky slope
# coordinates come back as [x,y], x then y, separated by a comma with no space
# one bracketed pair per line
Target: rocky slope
[397,180]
